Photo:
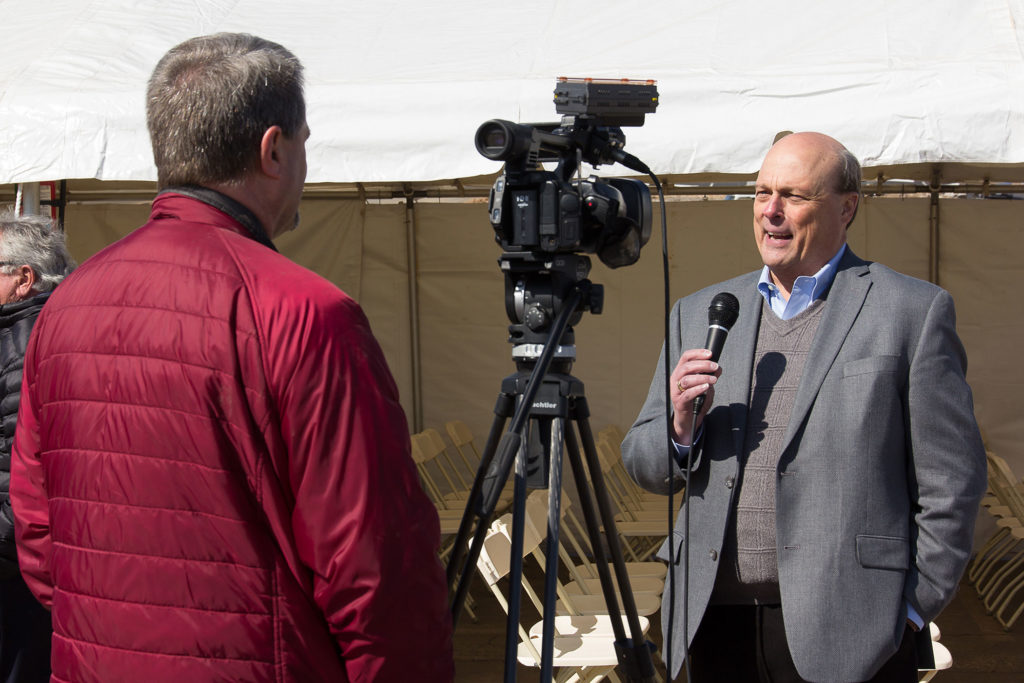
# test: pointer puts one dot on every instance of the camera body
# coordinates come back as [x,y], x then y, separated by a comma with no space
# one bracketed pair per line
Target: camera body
[547,212]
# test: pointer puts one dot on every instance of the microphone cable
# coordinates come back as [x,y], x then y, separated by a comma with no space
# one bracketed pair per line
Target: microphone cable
[672,463]
[637,165]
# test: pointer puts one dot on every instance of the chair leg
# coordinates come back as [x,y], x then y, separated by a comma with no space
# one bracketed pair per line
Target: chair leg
[1011,590]
[1001,544]
[988,578]
[981,559]
[1000,581]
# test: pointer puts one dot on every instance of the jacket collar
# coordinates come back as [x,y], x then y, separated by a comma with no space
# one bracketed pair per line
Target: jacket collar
[16,310]
[234,210]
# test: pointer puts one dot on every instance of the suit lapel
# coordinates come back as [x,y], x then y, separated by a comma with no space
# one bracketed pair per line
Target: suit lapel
[845,300]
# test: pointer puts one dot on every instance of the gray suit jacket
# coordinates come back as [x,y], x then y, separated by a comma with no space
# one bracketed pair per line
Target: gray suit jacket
[879,480]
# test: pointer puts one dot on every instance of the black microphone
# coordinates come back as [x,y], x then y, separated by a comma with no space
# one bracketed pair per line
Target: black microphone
[722,314]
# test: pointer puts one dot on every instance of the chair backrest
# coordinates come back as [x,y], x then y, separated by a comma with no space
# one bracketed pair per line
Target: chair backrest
[614,436]
[537,519]
[443,490]
[421,455]
[1007,485]
[462,439]
[423,448]
[620,487]
[459,432]
[495,558]
[451,472]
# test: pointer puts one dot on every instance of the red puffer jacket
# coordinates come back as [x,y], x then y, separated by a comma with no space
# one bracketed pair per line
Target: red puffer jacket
[211,475]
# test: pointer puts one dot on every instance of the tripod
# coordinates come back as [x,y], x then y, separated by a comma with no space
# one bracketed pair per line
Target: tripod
[540,398]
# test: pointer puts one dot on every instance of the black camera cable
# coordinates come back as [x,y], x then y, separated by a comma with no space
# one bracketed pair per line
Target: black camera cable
[635,164]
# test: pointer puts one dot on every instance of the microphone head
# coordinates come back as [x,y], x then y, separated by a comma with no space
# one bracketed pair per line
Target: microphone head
[724,310]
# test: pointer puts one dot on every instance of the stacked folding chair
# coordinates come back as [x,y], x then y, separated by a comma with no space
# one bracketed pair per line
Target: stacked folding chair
[997,570]
[583,644]
[643,517]
[585,586]
[465,445]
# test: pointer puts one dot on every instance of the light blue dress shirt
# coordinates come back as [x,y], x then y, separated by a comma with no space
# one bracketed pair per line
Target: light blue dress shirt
[806,288]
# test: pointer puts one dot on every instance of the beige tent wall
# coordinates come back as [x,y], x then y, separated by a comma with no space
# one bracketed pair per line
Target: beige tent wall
[982,245]
[462,326]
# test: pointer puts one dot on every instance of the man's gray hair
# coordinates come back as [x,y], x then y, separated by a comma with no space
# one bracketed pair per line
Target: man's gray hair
[848,171]
[209,101]
[848,177]
[34,241]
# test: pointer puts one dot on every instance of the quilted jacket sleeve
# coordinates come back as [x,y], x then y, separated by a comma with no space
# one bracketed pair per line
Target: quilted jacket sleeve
[361,521]
[28,492]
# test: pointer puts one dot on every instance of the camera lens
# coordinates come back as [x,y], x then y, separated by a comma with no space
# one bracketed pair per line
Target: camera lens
[493,139]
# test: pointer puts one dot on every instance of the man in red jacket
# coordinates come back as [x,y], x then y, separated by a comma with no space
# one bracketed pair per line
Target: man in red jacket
[211,471]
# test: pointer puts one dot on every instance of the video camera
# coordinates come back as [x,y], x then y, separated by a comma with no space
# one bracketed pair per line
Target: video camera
[544,212]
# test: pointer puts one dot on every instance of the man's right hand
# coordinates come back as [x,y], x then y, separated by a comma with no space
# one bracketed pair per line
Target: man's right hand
[694,374]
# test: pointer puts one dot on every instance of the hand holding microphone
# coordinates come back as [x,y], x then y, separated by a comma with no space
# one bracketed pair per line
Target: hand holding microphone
[697,370]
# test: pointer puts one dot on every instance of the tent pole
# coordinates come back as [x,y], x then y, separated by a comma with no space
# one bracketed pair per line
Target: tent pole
[933,229]
[414,312]
[26,201]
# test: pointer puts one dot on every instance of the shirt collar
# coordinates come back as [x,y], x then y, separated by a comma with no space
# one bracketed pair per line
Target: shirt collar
[806,289]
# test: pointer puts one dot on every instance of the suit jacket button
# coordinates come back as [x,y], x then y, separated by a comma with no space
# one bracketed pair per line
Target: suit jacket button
[729,482]
[713,555]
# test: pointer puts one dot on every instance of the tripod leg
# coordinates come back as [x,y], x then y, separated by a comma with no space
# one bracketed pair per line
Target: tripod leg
[633,653]
[551,559]
[515,577]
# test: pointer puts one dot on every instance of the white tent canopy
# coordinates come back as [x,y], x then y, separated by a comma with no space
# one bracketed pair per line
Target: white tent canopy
[396,89]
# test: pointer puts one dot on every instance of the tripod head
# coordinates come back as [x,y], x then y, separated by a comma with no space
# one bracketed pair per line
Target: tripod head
[538,287]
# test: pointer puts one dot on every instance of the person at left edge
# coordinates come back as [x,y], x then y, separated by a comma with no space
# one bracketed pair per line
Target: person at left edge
[33,260]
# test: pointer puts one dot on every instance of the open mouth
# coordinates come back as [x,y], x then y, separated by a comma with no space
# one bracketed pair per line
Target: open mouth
[778,236]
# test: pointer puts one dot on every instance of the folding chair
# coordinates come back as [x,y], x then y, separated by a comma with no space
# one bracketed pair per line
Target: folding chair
[581,583]
[462,438]
[1001,583]
[446,495]
[583,645]
[998,569]
[995,549]
[576,534]
[634,504]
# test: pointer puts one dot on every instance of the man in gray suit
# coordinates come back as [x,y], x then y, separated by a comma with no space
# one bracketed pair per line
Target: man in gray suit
[837,465]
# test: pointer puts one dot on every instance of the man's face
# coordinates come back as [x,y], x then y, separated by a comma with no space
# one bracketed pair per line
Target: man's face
[799,217]
[15,285]
[8,287]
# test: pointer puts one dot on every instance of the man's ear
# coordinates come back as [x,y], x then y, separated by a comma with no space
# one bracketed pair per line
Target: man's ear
[849,207]
[270,151]
[26,281]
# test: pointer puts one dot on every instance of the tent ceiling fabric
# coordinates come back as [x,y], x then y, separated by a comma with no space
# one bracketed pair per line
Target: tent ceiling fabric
[396,89]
